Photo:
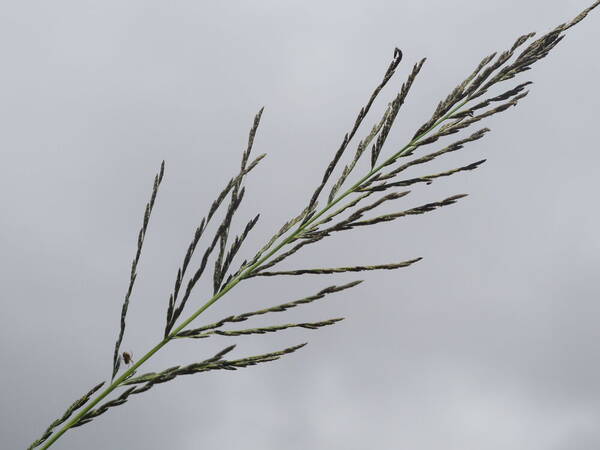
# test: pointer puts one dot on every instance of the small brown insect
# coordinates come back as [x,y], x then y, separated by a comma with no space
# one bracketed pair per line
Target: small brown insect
[127,357]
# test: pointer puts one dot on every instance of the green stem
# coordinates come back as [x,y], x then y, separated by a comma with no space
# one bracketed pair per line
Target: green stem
[234,281]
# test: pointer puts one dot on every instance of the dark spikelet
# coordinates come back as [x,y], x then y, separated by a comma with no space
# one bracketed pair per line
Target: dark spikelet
[145,378]
[220,355]
[284,229]
[465,122]
[284,255]
[362,145]
[430,157]
[458,94]
[91,415]
[473,90]
[199,231]
[181,272]
[537,50]
[207,365]
[149,379]
[263,330]
[395,107]
[504,96]
[453,98]
[223,234]
[490,73]
[520,41]
[380,130]
[174,310]
[198,274]
[340,269]
[359,119]
[314,235]
[235,364]
[449,115]
[409,212]
[484,62]
[140,242]
[461,124]
[177,310]
[427,179]
[237,244]
[251,137]
[70,410]
[236,197]
[581,16]
[219,200]
[353,220]
[277,308]
[336,213]
[197,235]
[357,214]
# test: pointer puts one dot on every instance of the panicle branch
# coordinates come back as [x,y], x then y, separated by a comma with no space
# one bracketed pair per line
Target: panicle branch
[140,242]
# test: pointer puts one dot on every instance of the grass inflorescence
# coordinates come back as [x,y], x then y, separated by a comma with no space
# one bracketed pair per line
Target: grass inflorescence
[343,208]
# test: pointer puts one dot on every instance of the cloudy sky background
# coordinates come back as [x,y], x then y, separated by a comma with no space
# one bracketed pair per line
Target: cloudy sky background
[491,342]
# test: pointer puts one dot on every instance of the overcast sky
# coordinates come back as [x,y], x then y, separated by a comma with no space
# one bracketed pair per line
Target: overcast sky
[490,343]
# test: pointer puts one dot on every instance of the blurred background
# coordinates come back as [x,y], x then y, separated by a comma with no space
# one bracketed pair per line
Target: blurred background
[490,342]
